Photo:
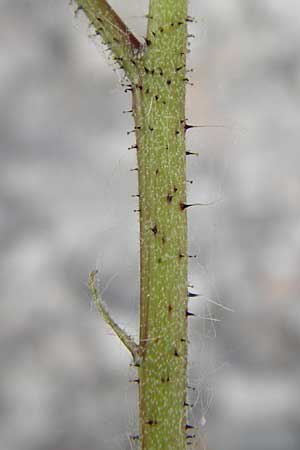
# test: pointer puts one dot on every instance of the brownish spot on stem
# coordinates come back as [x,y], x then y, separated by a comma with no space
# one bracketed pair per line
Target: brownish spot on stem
[154,229]
[169,197]
[165,380]
[151,422]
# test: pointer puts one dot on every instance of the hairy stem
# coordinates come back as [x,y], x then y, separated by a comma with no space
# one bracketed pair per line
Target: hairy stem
[157,72]
[160,124]
[123,336]
[121,41]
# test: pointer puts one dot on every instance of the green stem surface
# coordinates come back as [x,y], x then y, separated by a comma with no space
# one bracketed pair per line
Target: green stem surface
[160,123]
[157,75]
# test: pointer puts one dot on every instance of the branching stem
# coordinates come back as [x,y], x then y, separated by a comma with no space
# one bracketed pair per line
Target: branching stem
[157,79]
[123,336]
[121,41]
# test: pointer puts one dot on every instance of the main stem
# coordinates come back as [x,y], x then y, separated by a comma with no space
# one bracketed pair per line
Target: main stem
[159,105]
[157,76]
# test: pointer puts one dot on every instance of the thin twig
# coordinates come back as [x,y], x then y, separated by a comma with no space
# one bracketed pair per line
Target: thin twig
[114,32]
[123,336]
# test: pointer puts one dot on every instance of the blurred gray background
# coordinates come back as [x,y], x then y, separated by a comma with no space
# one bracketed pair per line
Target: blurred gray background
[66,208]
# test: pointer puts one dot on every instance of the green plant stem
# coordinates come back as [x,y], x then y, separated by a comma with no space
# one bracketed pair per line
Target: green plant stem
[114,33]
[157,72]
[160,122]
[122,335]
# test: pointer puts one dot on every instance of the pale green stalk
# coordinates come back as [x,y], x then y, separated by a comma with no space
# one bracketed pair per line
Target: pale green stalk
[156,72]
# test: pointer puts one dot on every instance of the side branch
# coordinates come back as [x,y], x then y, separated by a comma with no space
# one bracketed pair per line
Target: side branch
[114,32]
[123,336]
